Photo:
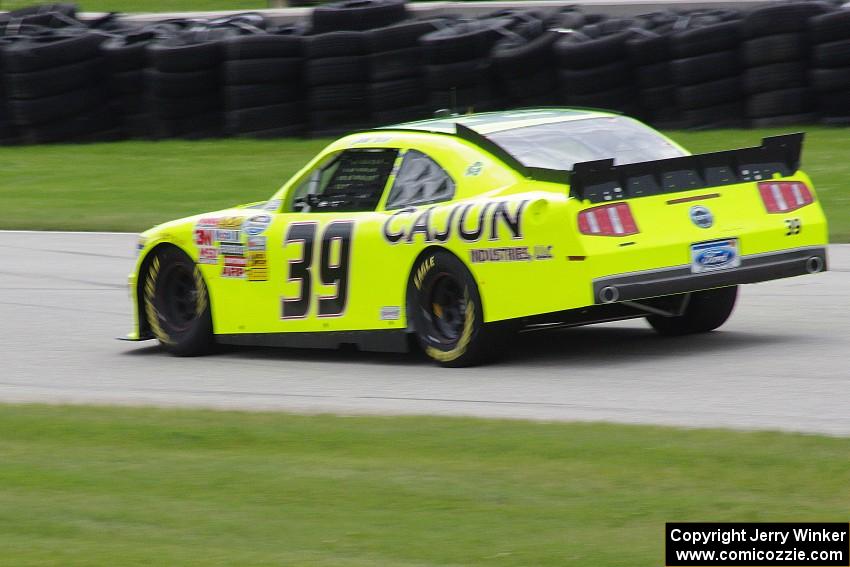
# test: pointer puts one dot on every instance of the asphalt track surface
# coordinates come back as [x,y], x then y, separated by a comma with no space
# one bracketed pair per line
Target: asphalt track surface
[781,362]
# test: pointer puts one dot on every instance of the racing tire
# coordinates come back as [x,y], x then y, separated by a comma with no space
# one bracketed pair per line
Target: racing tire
[775,49]
[830,27]
[445,308]
[774,77]
[710,93]
[335,70]
[648,50]
[357,15]
[826,80]
[835,54]
[335,44]
[704,40]
[176,303]
[782,18]
[261,71]
[779,103]
[396,64]
[704,68]
[705,311]
[400,36]
[53,81]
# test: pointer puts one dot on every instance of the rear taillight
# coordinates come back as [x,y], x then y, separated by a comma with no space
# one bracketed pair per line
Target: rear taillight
[784,196]
[608,220]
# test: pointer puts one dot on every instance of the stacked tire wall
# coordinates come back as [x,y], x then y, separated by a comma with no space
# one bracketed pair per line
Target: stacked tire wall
[362,63]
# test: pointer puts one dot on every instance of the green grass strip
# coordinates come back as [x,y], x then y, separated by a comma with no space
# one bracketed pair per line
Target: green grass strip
[117,486]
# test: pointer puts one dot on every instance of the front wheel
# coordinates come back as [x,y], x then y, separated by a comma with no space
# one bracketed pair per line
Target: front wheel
[447,316]
[176,303]
[705,311]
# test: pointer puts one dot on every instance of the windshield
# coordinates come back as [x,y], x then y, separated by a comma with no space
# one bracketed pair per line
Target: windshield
[561,145]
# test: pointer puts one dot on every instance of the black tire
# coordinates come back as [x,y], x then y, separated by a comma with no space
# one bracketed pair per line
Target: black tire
[513,56]
[336,44]
[335,70]
[462,41]
[175,85]
[402,93]
[832,55]
[54,81]
[826,80]
[127,53]
[541,86]
[179,54]
[57,107]
[711,93]
[128,82]
[704,40]
[357,15]
[834,103]
[263,46]
[397,64]
[648,50]
[775,49]
[774,76]
[75,128]
[342,96]
[728,115]
[658,99]
[386,117]
[261,71]
[43,52]
[705,311]
[460,74]
[652,76]
[704,68]
[251,96]
[176,303]
[833,26]
[291,131]
[620,100]
[264,118]
[400,36]
[185,108]
[572,53]
[780,102]
[782,18]
[448,319]
[589,81]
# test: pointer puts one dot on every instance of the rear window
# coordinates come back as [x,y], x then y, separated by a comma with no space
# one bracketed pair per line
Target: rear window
[561,145]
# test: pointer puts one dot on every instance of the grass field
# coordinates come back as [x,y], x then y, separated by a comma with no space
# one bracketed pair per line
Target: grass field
[113,486]
[130,186]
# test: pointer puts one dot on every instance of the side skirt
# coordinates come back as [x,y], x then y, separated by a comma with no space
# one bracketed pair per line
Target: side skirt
[386,340]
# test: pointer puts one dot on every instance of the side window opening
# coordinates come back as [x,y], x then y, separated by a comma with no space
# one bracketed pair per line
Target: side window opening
[419,181]
[352,181]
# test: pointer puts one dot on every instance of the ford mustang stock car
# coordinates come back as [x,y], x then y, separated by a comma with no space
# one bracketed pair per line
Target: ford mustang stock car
[457,231]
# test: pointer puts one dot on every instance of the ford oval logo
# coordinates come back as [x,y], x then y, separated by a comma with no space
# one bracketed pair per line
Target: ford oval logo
[715,257]
[701,216]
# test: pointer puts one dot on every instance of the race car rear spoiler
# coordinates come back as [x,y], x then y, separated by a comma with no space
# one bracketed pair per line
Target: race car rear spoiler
[601,180]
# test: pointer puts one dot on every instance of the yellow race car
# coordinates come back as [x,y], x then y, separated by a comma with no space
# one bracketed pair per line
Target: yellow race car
[458,231]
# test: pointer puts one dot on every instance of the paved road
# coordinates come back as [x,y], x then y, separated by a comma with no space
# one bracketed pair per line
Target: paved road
[780,363]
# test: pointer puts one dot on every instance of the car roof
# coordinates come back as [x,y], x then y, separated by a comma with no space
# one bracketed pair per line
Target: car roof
[492,122]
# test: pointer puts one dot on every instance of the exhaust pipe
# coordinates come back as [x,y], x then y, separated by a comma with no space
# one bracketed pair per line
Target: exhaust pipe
[814,265]
[609,294]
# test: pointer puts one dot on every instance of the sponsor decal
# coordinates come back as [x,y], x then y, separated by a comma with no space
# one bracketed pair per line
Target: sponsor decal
[474,169]
[510,254]
[469,222]
[716,255]
[256,225]
[207,255]
[234,267]
[257,266]
[227,235]
[390,313]
[701,216]
[230,222]
[273,205]
[229,249]
[256,243]
[140,244]
[207,222]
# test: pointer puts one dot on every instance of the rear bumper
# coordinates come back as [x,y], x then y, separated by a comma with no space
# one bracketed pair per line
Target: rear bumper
[679,279]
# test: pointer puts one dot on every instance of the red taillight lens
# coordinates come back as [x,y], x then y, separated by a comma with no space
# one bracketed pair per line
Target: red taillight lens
[608,220]
[784,196]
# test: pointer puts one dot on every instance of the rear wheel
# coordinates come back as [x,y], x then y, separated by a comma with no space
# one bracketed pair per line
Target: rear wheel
[447,316]
[705,311]
[176,303]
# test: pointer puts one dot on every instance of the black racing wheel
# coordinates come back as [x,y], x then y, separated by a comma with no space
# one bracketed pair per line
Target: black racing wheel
[177,304]
[447,316]
[705,311]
